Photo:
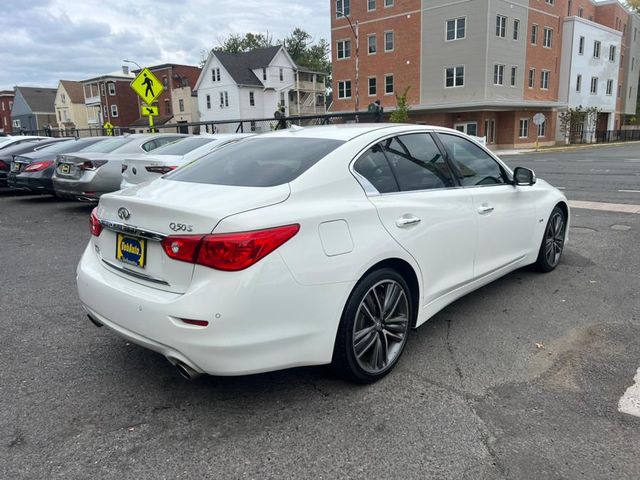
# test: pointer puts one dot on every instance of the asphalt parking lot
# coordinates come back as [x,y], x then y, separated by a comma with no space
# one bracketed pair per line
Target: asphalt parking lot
[519,380]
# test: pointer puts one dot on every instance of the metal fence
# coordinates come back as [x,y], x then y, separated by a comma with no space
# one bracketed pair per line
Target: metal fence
[604,136]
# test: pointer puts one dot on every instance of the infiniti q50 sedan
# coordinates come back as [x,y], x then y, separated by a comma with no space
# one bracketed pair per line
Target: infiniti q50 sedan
[312,246]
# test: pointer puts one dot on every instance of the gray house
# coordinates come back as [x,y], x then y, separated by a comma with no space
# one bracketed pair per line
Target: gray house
[33,109]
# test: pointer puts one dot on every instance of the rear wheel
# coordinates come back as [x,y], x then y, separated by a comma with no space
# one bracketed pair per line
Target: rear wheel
[553,241]
[374,327]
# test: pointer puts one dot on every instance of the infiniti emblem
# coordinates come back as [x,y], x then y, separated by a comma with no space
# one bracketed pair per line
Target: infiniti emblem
[123,213]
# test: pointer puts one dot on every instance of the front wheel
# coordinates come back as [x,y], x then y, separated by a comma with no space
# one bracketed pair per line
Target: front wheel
[374,327]
[553,241]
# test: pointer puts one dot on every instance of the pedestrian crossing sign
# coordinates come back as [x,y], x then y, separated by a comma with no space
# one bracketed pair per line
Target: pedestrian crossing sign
[147,86]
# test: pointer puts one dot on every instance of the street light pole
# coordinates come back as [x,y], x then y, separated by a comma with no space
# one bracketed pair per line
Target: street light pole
[356,31]
[135,63]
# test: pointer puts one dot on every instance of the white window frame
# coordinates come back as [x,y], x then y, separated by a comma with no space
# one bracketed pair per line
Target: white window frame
[344,42]
[181,105]
[393,41]
[343,8]
[516,29]
[375,44]
[578,83]
[531,79]
[547,37]
[455,29]
[550,2]
[215,74]
[208,99]
[498,74]
[111,89]
[114,110]
[513,81]
[591,89]
[343,83]
[375,79]
[252,98]
[501,26]
[612,53]
[541,130]
[545,75]
[393,83]
[534,34]
[609,90]
[581,45]
[455,75]
[369,9]
[388,3]
[596,48]
[524,122]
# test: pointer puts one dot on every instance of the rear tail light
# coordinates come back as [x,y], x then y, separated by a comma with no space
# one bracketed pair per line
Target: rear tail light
[94,223]
[160,169]
[92,164]
[124,167]
[230,252]
[38,166]
[3,165]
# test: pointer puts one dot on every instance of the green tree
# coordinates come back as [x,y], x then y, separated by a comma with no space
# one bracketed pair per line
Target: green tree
[401,113]
[236,43]
[633,5]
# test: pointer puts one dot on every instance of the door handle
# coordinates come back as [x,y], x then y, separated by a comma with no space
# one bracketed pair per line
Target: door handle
[484,209]
[406,221]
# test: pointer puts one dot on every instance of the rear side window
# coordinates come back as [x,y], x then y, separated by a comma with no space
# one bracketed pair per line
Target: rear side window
[417,162]
[257,162]
[374,167]
[106,146]
[475,165]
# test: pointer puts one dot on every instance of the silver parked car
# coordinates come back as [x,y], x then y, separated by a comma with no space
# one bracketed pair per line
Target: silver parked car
[88,175]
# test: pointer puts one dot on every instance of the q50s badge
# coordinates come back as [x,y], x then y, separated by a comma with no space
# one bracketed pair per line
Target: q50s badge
[180,227]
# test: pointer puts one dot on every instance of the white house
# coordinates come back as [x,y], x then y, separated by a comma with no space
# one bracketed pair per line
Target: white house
[252,85]
[589,69]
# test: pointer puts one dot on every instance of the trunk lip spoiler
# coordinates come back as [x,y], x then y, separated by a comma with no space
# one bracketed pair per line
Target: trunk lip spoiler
[132,230]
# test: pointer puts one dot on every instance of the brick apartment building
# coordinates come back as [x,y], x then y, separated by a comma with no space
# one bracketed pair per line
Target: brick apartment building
[487,67]
[6,104]
[176,103]
[110,98]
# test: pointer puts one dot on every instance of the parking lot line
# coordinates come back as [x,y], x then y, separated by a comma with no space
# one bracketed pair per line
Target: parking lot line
[630,401]
[606,207]
[629,191]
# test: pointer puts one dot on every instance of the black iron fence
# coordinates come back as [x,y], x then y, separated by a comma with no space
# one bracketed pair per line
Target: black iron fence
[604,136]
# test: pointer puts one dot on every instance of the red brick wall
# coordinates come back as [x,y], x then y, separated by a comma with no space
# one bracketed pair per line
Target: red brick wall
[126,100]
[5,112]
[164,101]
[542,58]
[588,9]
[403,62]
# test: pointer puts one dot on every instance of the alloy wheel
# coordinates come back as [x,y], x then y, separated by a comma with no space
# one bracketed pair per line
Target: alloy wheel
[381,326]
[554,239]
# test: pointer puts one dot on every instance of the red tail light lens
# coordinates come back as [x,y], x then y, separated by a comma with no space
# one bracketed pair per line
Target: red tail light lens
[92,164]
[38,166]
[94,223]
[160,169]
[230,252]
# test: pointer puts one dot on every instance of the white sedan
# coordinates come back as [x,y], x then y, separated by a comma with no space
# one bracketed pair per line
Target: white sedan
[312,246]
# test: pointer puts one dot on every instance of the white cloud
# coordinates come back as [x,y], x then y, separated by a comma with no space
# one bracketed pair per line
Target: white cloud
[44,41]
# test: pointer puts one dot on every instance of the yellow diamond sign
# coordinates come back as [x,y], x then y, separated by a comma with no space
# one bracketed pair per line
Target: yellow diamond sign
[149,110]
[147,86]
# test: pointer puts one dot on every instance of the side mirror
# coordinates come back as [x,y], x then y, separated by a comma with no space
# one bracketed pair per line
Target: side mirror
[523,176]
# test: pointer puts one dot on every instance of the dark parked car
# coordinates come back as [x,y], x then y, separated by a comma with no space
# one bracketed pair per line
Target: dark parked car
[33,171]
[7,154]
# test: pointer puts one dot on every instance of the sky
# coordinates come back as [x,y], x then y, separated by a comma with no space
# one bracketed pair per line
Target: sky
[43,41]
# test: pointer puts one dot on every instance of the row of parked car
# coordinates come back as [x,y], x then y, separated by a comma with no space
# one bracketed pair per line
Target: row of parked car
[86,168]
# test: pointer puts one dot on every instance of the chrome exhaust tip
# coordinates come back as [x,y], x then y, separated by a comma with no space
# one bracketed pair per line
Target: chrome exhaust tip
[185,370]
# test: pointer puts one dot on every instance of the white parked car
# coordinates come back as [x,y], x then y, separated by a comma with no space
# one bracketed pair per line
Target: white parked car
[143,168]
[312,246]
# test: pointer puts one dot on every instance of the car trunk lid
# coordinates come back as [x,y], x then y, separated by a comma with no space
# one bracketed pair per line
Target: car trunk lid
[136,219]
[148,167]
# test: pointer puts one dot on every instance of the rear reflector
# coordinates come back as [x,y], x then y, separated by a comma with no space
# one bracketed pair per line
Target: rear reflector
[199,323]
[230,252]
[38,166]
[94,223]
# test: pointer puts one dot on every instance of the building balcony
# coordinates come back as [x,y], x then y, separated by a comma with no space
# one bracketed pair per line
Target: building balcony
[92,100]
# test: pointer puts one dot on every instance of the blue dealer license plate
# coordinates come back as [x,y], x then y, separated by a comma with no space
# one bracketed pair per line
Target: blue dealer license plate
[131,250]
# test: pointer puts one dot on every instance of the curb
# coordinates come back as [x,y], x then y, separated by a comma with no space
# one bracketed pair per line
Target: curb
[572,147]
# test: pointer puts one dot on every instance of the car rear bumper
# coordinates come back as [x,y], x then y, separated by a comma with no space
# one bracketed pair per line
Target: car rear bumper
[260,319]
[36,182]
[90,186]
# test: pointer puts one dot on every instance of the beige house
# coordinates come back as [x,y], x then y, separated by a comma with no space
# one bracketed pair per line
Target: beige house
[71,110]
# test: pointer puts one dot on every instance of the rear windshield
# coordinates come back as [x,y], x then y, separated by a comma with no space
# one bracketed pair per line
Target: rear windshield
[108,146]
[66,146]
[183,146]
[257,162]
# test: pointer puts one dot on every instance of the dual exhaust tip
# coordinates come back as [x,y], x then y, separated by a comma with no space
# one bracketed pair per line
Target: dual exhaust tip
[183,369]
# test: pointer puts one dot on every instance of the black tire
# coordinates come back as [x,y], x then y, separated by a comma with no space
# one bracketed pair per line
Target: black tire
[552,243]
[384,318]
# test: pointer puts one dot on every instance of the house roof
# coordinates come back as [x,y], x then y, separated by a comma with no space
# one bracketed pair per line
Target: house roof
[241,65]
[40,100]
[74,90]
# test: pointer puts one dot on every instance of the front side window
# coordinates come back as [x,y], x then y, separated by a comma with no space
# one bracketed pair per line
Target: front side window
[344,49]
[417,163]
[475,166]
[257,162]
[501,26]
[456,28]
[454,77]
